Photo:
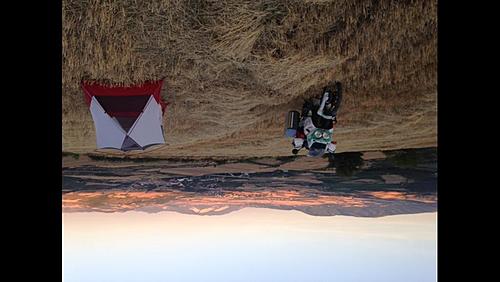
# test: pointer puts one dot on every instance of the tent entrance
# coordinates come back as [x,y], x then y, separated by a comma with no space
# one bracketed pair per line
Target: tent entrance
[126,118]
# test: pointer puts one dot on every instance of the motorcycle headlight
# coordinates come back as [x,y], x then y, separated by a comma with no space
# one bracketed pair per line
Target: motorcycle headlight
[318,134]
[326,135]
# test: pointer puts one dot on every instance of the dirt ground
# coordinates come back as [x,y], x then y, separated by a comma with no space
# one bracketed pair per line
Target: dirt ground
[416,128]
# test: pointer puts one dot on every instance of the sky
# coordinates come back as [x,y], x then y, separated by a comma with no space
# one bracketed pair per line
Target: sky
[252,244]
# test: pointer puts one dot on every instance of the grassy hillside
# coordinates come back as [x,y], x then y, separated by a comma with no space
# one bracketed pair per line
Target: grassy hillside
[233,69]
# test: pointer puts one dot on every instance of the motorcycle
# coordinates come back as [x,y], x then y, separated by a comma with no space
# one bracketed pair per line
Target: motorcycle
[312,128]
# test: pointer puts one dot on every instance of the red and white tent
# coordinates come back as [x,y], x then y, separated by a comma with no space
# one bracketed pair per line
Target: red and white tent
[126,118]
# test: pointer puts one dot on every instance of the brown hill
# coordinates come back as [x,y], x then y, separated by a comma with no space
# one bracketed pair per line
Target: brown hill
[233,68]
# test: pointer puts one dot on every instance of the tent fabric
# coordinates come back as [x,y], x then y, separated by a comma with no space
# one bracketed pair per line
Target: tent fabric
[123,106]
[126,122]
[126,118]
[130,144]
[91,89]
[109,134]
[147,128]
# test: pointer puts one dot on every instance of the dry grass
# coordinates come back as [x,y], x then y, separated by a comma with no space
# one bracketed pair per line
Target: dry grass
[234,67]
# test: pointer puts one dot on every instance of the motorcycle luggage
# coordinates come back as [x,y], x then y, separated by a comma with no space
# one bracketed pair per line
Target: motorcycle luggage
[292,123]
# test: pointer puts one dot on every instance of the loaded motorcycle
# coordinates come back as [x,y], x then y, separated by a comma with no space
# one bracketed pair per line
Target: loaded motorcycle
[312,128]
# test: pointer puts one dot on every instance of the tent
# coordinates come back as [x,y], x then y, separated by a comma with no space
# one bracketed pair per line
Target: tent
[126,118]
